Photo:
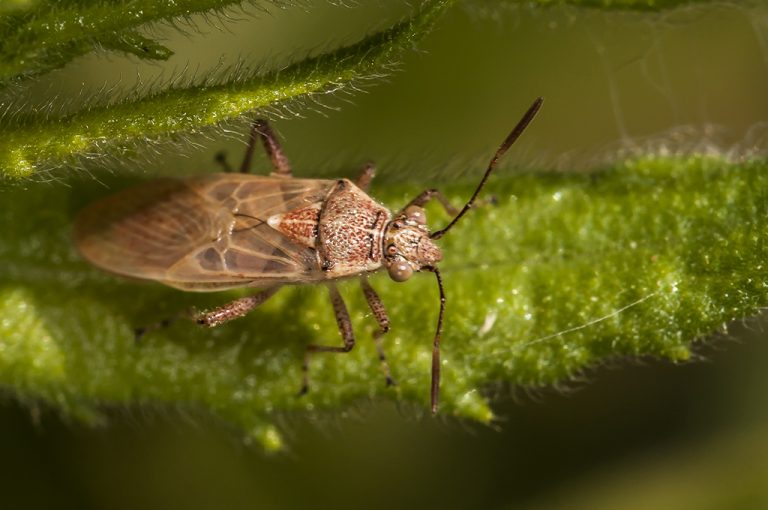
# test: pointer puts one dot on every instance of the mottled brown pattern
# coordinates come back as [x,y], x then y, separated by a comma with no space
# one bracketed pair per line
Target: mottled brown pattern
[172,229]
[234,309]
[299,225]
[229,230]
[413,244]
[351,229]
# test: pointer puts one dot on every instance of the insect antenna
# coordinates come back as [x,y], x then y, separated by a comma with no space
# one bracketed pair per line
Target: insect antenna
[511,138]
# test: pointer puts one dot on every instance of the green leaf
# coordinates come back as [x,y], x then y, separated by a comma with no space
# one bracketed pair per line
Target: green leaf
[29,144]
[564,272]
[39,36]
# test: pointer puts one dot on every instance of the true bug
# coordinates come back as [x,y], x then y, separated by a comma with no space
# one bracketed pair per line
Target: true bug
[226,230]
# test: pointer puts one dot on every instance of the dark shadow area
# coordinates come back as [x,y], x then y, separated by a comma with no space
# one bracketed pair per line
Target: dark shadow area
[542,442]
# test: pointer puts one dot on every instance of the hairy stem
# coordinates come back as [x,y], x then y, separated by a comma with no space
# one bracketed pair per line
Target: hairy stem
[29,144]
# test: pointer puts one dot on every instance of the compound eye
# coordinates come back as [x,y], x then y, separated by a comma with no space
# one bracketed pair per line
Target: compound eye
[400,271]
[391,250]
[416,214]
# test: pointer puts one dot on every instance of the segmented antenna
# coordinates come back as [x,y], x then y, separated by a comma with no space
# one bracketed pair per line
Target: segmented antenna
[513,136]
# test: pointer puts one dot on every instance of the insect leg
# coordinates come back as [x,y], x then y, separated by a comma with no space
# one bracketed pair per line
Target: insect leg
[221,159]
[260,129]
[140,332]
[435,384]
[345,328]
[427,195]
[234,309]
[366,176]
[377,307]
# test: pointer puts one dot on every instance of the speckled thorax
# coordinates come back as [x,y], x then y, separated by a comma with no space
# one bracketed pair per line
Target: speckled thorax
[346,229]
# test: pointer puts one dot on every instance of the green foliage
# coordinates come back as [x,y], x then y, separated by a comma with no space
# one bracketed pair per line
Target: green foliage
[33,143]
[566,271]
[42,36]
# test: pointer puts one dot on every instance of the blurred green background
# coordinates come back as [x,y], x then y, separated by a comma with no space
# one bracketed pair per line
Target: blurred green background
[633,435]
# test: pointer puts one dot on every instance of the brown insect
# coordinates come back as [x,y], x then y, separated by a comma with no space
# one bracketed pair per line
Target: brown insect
[227,230]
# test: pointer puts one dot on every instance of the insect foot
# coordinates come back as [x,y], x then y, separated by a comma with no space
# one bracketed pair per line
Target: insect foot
[222,231]
[140,333]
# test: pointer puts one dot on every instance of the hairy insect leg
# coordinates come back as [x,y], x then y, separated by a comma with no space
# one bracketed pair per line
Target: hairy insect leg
[427,195]
[261,130]
[366,176]
[345,328]
[220,315]
[234,309]
[435,383]
[380,313]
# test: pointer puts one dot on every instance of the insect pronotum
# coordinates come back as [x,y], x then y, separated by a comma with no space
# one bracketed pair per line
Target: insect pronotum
[226,230]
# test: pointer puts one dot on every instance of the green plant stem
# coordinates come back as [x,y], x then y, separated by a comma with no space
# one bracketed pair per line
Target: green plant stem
[31,144]
[563,273]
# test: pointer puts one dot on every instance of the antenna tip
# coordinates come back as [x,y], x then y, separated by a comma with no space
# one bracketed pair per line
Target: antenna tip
[535,106]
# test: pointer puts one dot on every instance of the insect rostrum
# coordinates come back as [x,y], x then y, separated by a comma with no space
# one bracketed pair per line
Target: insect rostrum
[226,230]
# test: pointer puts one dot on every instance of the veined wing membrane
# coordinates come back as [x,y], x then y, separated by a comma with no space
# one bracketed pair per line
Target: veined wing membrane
[202,233]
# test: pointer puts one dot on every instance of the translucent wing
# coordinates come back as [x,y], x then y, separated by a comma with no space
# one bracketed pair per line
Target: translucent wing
[202,233]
